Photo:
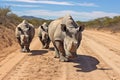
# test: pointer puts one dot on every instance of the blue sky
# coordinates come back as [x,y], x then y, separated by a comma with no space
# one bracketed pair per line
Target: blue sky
[82,10]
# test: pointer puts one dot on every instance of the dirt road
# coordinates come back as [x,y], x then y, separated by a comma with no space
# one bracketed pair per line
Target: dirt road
[98,59]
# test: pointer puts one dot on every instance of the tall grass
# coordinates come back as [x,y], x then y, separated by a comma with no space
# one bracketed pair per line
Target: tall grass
[7,18]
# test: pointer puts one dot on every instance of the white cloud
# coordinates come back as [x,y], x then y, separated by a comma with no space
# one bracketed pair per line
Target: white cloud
[86,4]
[84,16]
[44,2]
[18,5]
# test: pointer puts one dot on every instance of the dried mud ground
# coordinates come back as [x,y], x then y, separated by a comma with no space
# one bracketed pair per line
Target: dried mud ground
[98,59]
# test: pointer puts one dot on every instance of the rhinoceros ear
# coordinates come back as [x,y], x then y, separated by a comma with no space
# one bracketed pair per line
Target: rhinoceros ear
[42,28]
[63,27]
[81,28]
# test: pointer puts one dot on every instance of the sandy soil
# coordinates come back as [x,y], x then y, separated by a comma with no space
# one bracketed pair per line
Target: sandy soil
[98,59]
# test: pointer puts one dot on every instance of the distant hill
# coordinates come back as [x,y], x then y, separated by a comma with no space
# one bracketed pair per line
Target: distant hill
[31,17]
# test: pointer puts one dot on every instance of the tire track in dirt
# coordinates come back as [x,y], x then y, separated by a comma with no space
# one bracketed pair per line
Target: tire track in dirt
[95,61]
[8,64]
[40,65]
[110,41]
[11,61]
[106,54]
[103,64]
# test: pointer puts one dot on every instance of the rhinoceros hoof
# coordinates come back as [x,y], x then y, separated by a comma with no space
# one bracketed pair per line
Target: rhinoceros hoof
[25,50]
[28,50]
[45,47]
[21,50]
[64,59]
[56,56]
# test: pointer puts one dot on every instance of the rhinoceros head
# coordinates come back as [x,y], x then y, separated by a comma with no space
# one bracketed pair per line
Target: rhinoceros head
[72,37]
[45,36]
[24,36]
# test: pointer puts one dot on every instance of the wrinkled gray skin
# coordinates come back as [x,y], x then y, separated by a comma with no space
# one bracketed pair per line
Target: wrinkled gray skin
[24,33]
[43,35]
[66,36]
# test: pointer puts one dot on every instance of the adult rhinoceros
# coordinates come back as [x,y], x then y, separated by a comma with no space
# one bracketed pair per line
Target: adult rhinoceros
[43,35]
[66,36]
[25,33]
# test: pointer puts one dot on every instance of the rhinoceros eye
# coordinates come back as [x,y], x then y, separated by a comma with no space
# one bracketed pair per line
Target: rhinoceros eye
[19,29]
[68,33]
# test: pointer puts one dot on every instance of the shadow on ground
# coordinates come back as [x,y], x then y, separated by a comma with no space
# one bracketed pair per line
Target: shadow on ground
[38,52]
[86,63]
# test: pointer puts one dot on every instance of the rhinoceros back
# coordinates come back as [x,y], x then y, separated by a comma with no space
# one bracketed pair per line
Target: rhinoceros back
[54,30]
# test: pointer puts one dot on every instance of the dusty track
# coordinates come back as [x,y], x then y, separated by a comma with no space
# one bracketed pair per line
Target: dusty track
[98,59]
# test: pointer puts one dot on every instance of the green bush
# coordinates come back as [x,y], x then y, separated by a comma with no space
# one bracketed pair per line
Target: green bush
[112,24]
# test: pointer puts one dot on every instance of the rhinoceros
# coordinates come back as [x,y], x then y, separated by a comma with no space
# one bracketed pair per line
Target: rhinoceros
[66,36]
[24,33]
[43,35]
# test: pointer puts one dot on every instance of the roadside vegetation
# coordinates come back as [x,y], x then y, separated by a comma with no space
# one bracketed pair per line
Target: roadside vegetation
[9,20]
[105,23]
[8,23]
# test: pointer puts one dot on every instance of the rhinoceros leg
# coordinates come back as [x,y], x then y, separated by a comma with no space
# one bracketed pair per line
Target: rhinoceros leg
[24,49]
[40,38]
[48,43]
[46,46]
[43,45]
[61,50]
[57,55]
[27,48]
[22,46]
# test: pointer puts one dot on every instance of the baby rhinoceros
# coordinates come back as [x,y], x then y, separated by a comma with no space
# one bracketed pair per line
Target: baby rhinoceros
[43,35]
[24,33]
[66,36]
